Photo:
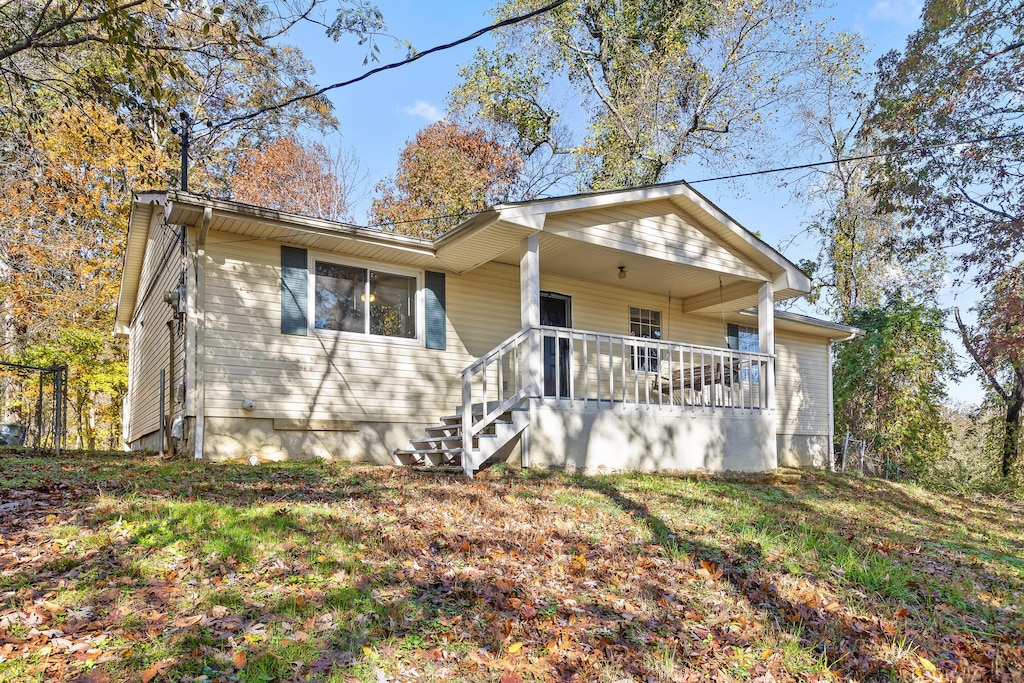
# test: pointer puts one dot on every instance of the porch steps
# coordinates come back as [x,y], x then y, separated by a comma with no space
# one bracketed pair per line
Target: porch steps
[440,449]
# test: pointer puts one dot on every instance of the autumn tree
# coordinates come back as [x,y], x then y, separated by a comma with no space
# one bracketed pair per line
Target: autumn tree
[444,174]
[997,345]
[861,253]
[960,77]
[657,83]
[289,175]
[889,384]
[88,89]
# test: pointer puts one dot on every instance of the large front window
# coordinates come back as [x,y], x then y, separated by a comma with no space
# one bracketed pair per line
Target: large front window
[364,301]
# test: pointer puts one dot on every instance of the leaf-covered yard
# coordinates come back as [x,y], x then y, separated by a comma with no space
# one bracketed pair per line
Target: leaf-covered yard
[122,568]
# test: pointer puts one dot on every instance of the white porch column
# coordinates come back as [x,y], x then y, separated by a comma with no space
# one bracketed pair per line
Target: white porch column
[766,337]
[529,293]
[529,279]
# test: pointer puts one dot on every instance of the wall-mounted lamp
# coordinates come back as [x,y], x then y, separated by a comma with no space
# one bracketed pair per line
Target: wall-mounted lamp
[373,297]
[622,272]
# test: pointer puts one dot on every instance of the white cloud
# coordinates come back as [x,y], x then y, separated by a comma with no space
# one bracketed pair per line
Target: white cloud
[900,11]
[425,110]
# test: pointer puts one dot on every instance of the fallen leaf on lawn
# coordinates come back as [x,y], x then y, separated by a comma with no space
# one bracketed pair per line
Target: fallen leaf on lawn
[509,677]
[239,659]
[926,664]
[157,669]
[185,622]
[515,647]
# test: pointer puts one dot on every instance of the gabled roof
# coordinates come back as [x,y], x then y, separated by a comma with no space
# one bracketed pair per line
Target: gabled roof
[474,241]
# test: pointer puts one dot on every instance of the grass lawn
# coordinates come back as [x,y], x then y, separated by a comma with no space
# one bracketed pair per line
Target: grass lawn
[116,568]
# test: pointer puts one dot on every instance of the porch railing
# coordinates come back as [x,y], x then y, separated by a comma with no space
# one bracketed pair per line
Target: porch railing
[581,367]
[612,369]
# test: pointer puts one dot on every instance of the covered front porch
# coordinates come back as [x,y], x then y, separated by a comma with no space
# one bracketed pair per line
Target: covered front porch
[608,386]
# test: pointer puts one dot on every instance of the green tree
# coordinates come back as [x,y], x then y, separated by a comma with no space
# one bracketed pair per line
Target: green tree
[443,175]
[657,83]
[889,384]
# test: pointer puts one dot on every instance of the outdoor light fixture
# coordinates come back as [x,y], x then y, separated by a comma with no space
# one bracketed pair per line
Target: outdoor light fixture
[622,272]
[373,297]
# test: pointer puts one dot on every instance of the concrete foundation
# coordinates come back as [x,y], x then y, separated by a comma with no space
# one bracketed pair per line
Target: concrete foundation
[803,450]
[640,438]
[233,438]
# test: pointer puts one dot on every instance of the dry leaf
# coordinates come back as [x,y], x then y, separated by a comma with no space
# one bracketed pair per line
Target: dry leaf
[157,669]
[515,647]
[186,622]
[239,659]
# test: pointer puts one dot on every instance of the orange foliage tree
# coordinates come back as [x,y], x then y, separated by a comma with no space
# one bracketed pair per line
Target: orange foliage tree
[446,173]
[63,217]
[289,175]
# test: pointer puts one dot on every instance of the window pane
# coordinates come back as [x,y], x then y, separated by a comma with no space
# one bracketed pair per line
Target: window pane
[645,323]
[340,291]
[748,339]
[392,305]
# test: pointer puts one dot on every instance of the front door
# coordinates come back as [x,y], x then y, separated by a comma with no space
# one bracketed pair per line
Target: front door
[556,311]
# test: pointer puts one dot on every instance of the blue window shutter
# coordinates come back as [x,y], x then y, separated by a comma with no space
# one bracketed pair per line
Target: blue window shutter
[434,310]
[734,336]
[294,290]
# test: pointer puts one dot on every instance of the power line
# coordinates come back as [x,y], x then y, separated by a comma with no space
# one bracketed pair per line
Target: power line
[419,55]
[862,157]
[747,174]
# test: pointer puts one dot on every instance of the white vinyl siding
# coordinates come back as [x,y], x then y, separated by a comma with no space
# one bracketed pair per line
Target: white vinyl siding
[320,376]
[801,390]
[149,350]
[657,229]
[373,379]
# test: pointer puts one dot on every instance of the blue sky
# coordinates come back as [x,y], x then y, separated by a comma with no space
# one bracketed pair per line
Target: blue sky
[377,116]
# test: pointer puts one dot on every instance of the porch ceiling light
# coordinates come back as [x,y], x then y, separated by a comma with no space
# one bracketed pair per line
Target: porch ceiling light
[622,272]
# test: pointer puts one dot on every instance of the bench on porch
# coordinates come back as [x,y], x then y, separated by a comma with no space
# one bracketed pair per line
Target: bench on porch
[696,377]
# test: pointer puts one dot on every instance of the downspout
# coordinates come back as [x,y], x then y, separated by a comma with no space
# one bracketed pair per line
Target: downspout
[831,401]
[200,332]
[831,409]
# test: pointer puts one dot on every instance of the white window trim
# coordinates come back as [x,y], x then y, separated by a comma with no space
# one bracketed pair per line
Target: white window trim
[641,349]
[384,267]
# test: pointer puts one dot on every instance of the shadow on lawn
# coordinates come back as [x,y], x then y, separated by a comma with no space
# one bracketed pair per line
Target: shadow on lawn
[389,604]
[850,643]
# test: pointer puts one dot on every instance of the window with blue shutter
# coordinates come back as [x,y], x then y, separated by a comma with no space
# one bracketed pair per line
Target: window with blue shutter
[434,310]
[294,290]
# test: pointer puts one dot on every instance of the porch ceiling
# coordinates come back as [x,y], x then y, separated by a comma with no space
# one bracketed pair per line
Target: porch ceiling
[573,258]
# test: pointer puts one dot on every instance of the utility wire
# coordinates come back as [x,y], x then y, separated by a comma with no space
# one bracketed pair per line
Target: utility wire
[800,167]
[419,55]
[747,174]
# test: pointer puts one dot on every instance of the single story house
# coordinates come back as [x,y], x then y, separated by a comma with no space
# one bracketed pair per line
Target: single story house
[632,329]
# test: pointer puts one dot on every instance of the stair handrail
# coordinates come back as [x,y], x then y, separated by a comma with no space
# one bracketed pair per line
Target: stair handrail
[480,368]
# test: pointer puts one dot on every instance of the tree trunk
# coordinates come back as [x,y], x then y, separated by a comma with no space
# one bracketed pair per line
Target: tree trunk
[1011,433]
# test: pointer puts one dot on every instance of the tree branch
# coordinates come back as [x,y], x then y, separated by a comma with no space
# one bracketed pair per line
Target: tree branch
[973,350]
[437,48]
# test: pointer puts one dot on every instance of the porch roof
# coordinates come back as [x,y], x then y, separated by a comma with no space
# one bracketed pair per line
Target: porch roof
[668,238]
